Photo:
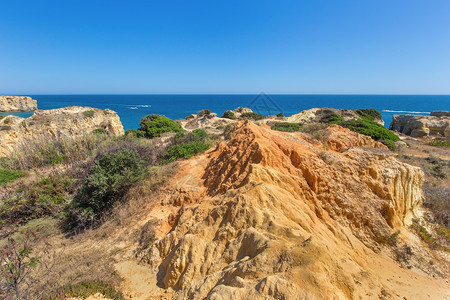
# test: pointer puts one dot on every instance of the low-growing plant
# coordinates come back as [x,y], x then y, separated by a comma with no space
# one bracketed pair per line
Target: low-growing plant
[286,127]
[280,115]
[229,115]
[85,289]
[89,113]
[155,125]
[100,131]
[369,114]
[439,143]
[10,175]
[185,151]
[330,117]
[135,133]
[252,116]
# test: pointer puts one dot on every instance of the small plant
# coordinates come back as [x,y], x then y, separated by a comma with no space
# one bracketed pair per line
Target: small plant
[390,239]
[252,116]
[439,143]
[205,112]
[185,151]
[369,114]
[85,289]
[135,133]
[10,175]
[20,265]
[280,115]
[89,113]
[286,127]
[228,114]
[155,125]
[100,131]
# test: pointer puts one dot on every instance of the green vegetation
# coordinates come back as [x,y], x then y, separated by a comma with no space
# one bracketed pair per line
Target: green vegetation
[376,131]
[135,133]
[185,151]
[154,125]
[89,113]
[369,114]
[107,181]
[100,131]
[331,117]
[10,175]
[1,117]
[439,143]
[229,115]
[286,127]
[280,115]
[252,116]
[204,112]
[85,289]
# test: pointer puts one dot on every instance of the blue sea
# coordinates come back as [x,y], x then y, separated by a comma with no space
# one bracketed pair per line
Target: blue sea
[131,108]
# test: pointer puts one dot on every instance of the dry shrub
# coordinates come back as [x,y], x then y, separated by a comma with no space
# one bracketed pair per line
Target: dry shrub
[437,200]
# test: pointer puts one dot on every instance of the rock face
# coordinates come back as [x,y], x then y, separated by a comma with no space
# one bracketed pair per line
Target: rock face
[17,103]
[317,114]
[56,123]
[203,119]
[272,215]
[437,124]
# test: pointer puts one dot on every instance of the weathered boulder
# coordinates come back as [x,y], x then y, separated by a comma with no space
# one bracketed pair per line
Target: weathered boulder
[63,122]
[437,124]
[17,103]
[319,114]
[203,119]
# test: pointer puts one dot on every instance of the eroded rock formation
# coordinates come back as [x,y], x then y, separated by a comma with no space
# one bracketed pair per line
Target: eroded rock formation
[63,122]
[437,124]
[272,215]
[17,103]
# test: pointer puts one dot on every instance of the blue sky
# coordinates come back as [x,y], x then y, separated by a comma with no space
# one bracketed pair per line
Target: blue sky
[296,47]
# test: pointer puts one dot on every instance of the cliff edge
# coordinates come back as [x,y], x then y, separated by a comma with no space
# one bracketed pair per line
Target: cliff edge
[17,103]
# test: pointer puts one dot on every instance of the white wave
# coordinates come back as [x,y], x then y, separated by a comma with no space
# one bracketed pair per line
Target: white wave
[134,108]
[143,105]
[406,111]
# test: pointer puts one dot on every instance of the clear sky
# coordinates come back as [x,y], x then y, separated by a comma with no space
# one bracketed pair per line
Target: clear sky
[232,46]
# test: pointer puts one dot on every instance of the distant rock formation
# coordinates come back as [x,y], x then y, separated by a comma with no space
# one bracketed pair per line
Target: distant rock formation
[57,123]
[437,124]
[317,114]
[203,119]
[17,103]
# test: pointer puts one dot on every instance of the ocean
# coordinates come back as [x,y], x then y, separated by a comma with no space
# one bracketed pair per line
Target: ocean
[131,108]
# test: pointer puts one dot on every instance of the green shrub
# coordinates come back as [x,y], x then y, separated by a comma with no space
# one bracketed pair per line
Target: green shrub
[439,143]
[185,151]
[1,117]
[85,289]
[10,175]
[252,116]
[135,133]
[376,131]
[108,180]
[369,114]
[100,131]
[331,117]
[389,143]
[280,115]
[286,127]
[88,113]
[204,112]
[229,115]
[155,125]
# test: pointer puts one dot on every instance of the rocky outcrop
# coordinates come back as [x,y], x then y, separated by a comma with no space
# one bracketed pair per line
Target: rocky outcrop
[203,119]
[272,215]
[65,122]
[321,114]
[437,124]
[17,103]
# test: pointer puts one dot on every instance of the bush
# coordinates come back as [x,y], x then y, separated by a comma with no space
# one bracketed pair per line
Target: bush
[10,175]
[439,143]
[280,115]
[155,125]
[185,151]
[376,131]
[229,115]
[46,197]
[286,127]
[85,289]
[88,113]
[330,117]
[204,112]
[108,180]
[369,114]
[135,133]
[100,131]
[252,116]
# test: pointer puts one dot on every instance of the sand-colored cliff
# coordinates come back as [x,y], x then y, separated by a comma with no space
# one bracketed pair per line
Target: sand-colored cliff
[17,103]
[56,123]
[437,124]
[272,215]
